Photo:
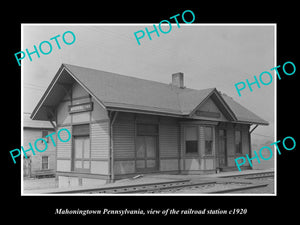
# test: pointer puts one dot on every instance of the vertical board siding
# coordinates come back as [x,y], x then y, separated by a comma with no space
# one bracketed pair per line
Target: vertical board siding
[64,148]
[168,140]
[123,139]
[99,140]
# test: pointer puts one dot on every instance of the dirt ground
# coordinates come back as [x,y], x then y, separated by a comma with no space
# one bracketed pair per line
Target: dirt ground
[43,183]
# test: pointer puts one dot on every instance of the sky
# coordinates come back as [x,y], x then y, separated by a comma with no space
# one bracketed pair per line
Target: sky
[209,55]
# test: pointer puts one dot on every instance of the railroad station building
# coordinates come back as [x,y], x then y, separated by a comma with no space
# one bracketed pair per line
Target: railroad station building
[123,126]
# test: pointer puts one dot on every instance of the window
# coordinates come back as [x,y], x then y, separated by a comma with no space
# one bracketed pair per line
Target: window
[44,162]
[208,137]
[238,141]
[191,140]
[44,134]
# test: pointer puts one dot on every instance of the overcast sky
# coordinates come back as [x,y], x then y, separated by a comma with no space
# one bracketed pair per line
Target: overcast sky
[208,55]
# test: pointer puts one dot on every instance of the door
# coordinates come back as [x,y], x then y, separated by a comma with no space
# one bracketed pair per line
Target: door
[222,153]
[81,153]
[146,153]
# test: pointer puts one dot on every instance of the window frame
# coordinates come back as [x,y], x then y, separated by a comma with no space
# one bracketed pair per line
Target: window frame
[197,135]
[47,157]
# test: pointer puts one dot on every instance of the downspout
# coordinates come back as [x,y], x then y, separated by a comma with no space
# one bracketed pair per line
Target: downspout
[113,116]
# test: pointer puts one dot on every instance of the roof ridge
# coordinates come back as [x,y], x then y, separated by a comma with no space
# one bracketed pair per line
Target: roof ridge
[131,77]
[116,74]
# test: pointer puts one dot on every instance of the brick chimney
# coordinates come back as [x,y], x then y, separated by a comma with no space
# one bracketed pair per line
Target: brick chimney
[177,80]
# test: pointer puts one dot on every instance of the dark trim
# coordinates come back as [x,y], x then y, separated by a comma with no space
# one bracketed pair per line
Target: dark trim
[112,119]
[63,158]
[208,114]
[200,122]
[166,158]
[124,159]
[253,128]
[80,123]
[39,128]
[82,170]
[140,111]
[82,175]
[92,159]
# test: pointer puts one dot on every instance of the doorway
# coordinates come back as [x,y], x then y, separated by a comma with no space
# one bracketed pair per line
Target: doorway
[147,148]
[81,153]
[81,148]
[222,152]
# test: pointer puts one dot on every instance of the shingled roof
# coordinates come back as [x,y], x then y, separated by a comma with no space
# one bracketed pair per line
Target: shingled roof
[114,91]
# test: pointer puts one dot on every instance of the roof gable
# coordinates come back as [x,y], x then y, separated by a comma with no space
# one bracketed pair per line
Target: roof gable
[209,110]
[214,106]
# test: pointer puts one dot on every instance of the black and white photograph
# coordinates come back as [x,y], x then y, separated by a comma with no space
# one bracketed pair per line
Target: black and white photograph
[182,113]
[141,111]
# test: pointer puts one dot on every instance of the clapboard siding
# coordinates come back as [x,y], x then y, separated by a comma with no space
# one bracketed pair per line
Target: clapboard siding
[64,148]
[169,140]
[123,139]
[99,137]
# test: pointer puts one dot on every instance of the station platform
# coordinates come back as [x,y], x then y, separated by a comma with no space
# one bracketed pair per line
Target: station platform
[151,179]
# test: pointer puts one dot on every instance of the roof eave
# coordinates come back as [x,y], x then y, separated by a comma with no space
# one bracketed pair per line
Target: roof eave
[40,103]
[152,112]
[52,84]
[265,123]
